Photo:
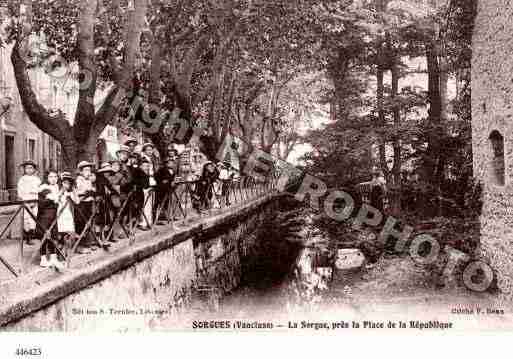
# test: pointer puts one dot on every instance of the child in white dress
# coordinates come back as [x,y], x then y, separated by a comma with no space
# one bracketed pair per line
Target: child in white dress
[67,199]
[28,190]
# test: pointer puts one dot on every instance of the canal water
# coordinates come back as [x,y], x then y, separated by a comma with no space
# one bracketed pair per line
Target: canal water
[286,277]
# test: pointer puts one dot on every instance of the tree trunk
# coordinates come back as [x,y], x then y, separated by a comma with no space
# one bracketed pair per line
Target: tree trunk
[380,93]
[396,170]
[73,152]
[444,79]
[79,141]
[433,162]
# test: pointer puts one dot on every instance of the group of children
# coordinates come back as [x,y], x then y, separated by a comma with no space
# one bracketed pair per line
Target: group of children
[64,204]
[47,201]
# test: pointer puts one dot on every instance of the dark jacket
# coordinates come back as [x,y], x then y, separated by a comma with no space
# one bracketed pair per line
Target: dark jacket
[46,214]
[125,181]
[164,178]
[103,186]
[376,197]
[204,187]
[140,181]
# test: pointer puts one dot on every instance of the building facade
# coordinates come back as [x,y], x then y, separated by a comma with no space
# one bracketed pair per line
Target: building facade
[492,133]
[19,138]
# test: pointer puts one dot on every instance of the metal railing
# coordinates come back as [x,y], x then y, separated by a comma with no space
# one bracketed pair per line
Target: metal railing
[180,201]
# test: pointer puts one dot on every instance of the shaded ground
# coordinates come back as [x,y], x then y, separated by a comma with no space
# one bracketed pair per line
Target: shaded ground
[396,278]
[392,289]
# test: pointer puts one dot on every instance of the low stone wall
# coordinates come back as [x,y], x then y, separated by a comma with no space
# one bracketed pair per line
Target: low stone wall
[147,286]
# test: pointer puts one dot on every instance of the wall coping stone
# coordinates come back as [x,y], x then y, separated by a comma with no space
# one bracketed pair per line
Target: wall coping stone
[33,291]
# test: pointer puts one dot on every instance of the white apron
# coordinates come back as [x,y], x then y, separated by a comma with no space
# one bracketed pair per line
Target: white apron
[147,218]
[65,221]
[28,188]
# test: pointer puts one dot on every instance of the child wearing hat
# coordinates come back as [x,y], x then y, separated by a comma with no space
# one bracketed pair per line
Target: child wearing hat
[66,224]
[123,174]
[123,153]
[204,190]
[107,197]
[67,199]
[86,192]
[144,185]
[165,178]
[46,215]
[133,161]
[28,190]
[131,143]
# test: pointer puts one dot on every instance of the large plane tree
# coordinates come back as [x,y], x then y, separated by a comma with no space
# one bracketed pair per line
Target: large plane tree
[102,38]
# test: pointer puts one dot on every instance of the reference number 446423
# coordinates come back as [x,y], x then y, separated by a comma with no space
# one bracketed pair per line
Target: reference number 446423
[28,352]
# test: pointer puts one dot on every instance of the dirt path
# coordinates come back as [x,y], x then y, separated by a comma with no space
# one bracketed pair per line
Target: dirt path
[397,288]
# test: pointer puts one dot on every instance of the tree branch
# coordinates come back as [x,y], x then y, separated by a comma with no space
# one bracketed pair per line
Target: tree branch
[190,62]
[55,125]
[110,106]
[88,71]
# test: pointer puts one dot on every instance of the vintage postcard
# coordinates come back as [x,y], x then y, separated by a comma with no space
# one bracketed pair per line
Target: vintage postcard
[284,166]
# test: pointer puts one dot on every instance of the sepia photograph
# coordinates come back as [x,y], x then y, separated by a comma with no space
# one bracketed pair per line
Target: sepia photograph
[256,166]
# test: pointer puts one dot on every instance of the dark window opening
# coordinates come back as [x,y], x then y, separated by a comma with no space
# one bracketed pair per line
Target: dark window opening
[10,166]
[497,165]
[32,149]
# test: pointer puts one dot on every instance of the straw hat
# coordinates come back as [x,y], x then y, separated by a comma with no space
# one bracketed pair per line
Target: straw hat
[146,145]
[66,175]
[105,167]
[130,140]
[83,164]
[123,148]
[28,163]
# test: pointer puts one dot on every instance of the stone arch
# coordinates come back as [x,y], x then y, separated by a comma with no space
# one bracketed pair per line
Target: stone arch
[497,164]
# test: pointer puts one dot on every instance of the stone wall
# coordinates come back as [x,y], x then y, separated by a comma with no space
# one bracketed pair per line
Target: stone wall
[162,282]
[159,291]
[221,255]
[492,110]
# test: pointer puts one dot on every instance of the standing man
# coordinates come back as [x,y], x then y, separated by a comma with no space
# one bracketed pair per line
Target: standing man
[172,155]
[148,154]
[165,178]
[28,190]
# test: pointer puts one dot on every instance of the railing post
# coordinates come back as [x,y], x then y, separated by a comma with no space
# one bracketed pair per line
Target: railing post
[22,242]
